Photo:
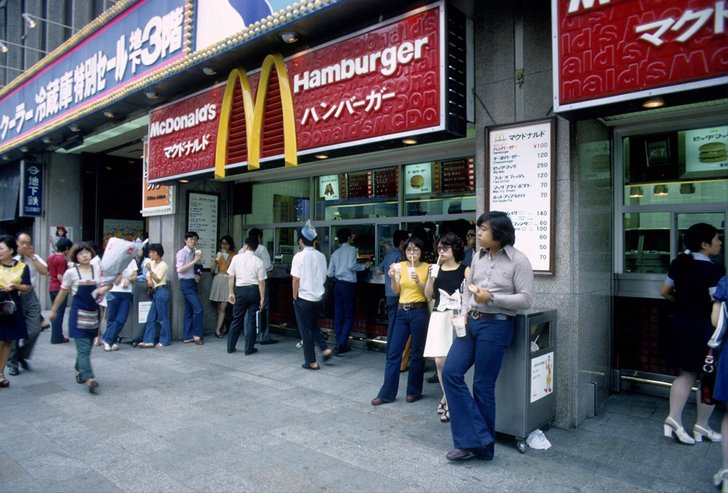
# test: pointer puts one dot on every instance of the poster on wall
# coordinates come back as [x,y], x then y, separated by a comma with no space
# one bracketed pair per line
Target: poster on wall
[706,151]
[202,210]
[329,187]
[418,178]
[520,181]
[57,232]
[542,376]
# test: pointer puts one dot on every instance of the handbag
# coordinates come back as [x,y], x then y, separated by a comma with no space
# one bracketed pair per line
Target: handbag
[707,379]
[8,308]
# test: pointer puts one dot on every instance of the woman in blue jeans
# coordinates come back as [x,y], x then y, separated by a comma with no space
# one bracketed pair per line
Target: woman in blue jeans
[157,281]
[118,303]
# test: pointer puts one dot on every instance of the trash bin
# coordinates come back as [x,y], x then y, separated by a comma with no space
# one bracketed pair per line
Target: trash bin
[133,330]
[524,393]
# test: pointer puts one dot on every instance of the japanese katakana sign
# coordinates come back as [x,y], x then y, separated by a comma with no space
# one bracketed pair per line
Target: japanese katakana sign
[608,48]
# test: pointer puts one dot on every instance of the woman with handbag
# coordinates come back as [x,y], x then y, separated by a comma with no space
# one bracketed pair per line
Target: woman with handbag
[82,281]
[446,276]
[720,390]
[690,281]
[14,278]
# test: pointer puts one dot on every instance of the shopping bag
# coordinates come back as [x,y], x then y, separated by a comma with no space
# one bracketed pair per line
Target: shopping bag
[117,255]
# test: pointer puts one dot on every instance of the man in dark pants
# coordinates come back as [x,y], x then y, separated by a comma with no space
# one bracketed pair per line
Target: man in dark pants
[500,284]
[247,295]
[57,265]
[185,261]
[21,350]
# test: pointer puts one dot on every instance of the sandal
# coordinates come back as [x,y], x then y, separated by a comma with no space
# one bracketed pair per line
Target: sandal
[307,366]
[445,416]
[442,408]
[721,479]
[4,384]
[92,385]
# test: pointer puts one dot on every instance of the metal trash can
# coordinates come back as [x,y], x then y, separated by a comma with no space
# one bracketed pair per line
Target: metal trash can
[133,330]
[524,392]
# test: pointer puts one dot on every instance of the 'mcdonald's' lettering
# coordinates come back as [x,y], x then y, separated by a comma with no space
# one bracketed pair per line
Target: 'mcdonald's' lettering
[254,112]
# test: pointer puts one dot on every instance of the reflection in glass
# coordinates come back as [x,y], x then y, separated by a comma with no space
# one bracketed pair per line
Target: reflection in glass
[646,242]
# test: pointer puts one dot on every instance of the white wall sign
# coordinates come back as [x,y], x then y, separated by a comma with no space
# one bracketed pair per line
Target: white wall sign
[520,182]
[202,219]
[143,308]
[542,376]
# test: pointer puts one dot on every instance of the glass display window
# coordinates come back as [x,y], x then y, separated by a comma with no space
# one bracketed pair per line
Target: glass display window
[440,187]
[358,195]
[646,242]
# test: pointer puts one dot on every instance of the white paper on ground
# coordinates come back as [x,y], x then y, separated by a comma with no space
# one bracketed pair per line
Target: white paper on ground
[537,440]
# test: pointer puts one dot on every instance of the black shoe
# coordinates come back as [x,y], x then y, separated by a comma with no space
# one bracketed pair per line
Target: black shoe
[14,371]
[219,336]
[462,455]
[24,364]
[269,341]
[339,350]
[230,351]
[254,350]
[433,379]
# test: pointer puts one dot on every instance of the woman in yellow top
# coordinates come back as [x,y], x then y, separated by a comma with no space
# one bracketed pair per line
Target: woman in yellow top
[219,291]
[408,280]
[14,279]
[157,270]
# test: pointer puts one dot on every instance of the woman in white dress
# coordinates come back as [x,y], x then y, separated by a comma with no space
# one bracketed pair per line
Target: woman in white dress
[219,292]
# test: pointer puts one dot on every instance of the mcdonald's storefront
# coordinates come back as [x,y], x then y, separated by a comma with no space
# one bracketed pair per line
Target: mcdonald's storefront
[367,131]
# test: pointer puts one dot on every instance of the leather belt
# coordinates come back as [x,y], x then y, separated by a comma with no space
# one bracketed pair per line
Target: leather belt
[411,306]
[475,315]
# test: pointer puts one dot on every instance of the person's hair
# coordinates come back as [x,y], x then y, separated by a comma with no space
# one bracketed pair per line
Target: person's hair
[191,234]
[63,245]
[697,234]
[252,242]
[229,240]
[453,241]
[10,243]
[500,225]
[343,235]
[17,236]
[156,247]
[305,240]
[399,236]
[256,233]
[416,241]
[80,247]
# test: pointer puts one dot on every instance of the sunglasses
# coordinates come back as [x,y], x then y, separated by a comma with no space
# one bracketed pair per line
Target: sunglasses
[443,248]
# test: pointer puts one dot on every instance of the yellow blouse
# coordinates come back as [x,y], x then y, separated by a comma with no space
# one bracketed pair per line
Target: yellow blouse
[409,291]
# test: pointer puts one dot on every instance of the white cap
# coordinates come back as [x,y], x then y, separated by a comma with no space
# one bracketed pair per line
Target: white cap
[308,231]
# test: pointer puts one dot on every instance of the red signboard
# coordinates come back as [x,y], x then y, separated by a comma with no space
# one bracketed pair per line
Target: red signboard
[606,51]
[182,135]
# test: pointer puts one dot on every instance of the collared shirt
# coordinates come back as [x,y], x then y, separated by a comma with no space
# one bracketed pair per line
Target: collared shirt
[343,264]
[160,270]
[262,253]
[508,277]
[34,276]
[392,257]
[697,256]
[184,257]
[309,265]
[248,269]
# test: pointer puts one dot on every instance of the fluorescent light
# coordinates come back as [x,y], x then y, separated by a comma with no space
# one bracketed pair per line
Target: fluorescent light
[653,103]
[289,37]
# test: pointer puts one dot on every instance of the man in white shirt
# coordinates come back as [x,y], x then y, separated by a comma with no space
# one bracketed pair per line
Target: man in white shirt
[20,353]
[308,270]
[262,253]
[247,295]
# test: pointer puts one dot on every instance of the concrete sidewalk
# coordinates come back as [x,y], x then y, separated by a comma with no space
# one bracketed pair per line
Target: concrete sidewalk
[194,418]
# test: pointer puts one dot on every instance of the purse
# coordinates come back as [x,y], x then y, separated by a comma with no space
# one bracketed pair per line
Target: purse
[707,379]
[8,308]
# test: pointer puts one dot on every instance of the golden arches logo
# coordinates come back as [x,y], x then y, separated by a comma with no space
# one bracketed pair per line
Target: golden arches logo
[254,112]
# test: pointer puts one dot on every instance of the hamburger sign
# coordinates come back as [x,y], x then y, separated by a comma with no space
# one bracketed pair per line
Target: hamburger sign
[706,150]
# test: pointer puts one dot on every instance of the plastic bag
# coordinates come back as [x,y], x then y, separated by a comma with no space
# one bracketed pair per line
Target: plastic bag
[538,441]
[117,255]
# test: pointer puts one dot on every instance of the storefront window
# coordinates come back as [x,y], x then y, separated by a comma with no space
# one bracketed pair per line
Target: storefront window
[363,194]
[646,242]
[280,202]
[440,187]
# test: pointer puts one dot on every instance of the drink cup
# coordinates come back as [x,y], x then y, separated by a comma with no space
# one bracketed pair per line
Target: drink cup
[198,252]
[411,271]
[397,271]
[458,321]
[434,271]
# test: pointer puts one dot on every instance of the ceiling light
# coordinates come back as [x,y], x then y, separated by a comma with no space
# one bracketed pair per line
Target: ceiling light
[109,114]
[321,156]
[24,149]
[409,142]
[687,188]
[660,190]
[289,37]
[653,103]
[46,140]
[635,192]
[184,181]
[29,21]
[3,47]
[6,157]
[208,71]
[151,95]
[74,128]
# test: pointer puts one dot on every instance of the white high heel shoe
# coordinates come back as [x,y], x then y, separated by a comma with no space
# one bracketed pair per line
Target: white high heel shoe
[721,477]
[670,427]
[699,432]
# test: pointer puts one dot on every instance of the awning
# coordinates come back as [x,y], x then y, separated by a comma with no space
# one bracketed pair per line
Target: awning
[9,189]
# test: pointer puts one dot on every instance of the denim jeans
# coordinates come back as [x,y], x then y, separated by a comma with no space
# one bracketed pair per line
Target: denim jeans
[345,299]
[472,418]
[159,312]
[193,309]
[57,324]
[83,357]
[407,322]
[307,313]
[118,305]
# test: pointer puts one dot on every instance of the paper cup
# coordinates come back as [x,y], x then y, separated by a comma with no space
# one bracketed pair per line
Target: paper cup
[459,323]
[198,252]
[397,271]
[434,271]
[411,271]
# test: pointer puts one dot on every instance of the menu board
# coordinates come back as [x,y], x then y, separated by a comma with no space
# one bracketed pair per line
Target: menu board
[386,183]
[520,182]
[457,175]
[358,185]
[202,219]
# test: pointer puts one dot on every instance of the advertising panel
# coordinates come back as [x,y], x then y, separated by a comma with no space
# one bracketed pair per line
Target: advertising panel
[31,189]
[606,51]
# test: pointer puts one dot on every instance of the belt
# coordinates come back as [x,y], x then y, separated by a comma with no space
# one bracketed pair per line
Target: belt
[412,306]
[475,315]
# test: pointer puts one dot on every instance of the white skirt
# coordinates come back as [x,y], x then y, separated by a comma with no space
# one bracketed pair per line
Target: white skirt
[219,291]
[440,334]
